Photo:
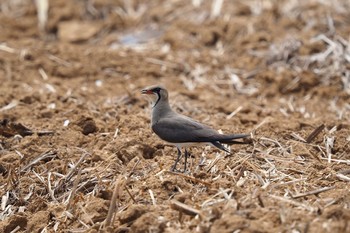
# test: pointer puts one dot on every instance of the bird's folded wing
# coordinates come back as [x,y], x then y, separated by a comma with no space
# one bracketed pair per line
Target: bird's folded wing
[182,129]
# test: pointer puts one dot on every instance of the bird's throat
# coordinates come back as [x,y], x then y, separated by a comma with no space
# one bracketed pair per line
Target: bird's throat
[157,100]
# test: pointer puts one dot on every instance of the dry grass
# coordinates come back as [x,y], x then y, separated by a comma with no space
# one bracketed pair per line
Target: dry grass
[294,172]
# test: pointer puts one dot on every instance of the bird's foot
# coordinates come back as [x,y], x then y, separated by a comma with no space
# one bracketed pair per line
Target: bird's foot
[185,171]
[173,169]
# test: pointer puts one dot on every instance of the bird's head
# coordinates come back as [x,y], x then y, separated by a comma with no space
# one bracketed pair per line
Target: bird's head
[156,94]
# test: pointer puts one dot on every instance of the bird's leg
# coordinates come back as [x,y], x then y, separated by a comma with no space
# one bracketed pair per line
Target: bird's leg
[177,160]
[185,166]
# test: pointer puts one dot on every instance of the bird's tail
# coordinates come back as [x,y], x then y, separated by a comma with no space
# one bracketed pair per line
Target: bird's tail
[230,139]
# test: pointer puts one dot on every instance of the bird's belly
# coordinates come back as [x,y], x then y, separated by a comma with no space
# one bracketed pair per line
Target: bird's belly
[189,144]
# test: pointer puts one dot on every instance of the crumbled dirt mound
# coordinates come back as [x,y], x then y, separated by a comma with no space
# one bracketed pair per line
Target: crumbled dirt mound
[76,149]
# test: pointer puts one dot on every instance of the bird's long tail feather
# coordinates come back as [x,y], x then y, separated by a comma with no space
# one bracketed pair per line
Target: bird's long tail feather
[230,138]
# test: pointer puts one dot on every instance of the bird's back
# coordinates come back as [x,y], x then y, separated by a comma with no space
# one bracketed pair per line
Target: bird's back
[177,128]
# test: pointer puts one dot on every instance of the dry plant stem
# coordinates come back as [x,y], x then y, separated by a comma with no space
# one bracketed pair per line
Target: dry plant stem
[74,189]
[314,192]
[42,13]
[232,114]
[271,140]
[183,208]
[46,154]
[117,187]
[214,162]
[315,156]
[240,174]
[304,146]
[45,132]
[152,197]
[292,202]
[338,160]
[16,229]
[71,172]
[133,168]
[266,120]
[128,178]
[130,195]
[162,63]
[190,178]
[314,133]
[260,200]
[50,191]
[69,175]
[252,166]
[298,137]
[287,183]
[342,177]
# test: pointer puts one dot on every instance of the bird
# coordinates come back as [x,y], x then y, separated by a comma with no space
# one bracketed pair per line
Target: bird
[180,130]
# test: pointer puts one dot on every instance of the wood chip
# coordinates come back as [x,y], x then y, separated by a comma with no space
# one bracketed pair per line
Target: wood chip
[183,208]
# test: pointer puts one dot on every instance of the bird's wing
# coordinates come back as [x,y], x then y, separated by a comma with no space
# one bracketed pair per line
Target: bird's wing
[181,129]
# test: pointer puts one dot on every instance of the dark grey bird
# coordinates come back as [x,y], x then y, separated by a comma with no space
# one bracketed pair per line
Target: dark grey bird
[181,130]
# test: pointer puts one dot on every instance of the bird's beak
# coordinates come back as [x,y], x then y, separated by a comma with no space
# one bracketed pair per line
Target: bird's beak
[147,92]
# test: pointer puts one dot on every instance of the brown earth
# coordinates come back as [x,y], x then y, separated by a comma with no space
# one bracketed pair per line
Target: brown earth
[74,127]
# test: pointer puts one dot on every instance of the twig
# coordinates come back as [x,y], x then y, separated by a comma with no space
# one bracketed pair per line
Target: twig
[189,177]
[43,74]
[45,155]
[314,133]
[42,7]
[152,197]
[342,177]
[183,208]
[128,178]
[271,140]
[287,183]
[329,146]
[222,192]
[12,104]
[116,132]
[4,47]
[71,172]
[162,63]
[314,192]
[232,114]
[117,187]
[133,168]
[74,189]
[45,132]
[131,196]
[216,160]
[51,192]
[338,160]
[216,8]
[266,120]
[16,229]
[292,202]
[59,60]
[298,137]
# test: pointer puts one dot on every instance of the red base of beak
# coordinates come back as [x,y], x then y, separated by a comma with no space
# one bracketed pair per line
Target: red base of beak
[148,92]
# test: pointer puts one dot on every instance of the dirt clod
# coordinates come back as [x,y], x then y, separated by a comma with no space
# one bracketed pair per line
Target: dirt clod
[133,213]
[88,125]
[148,222]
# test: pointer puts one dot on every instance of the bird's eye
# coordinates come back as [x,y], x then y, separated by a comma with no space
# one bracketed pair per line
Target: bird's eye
[157,89]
